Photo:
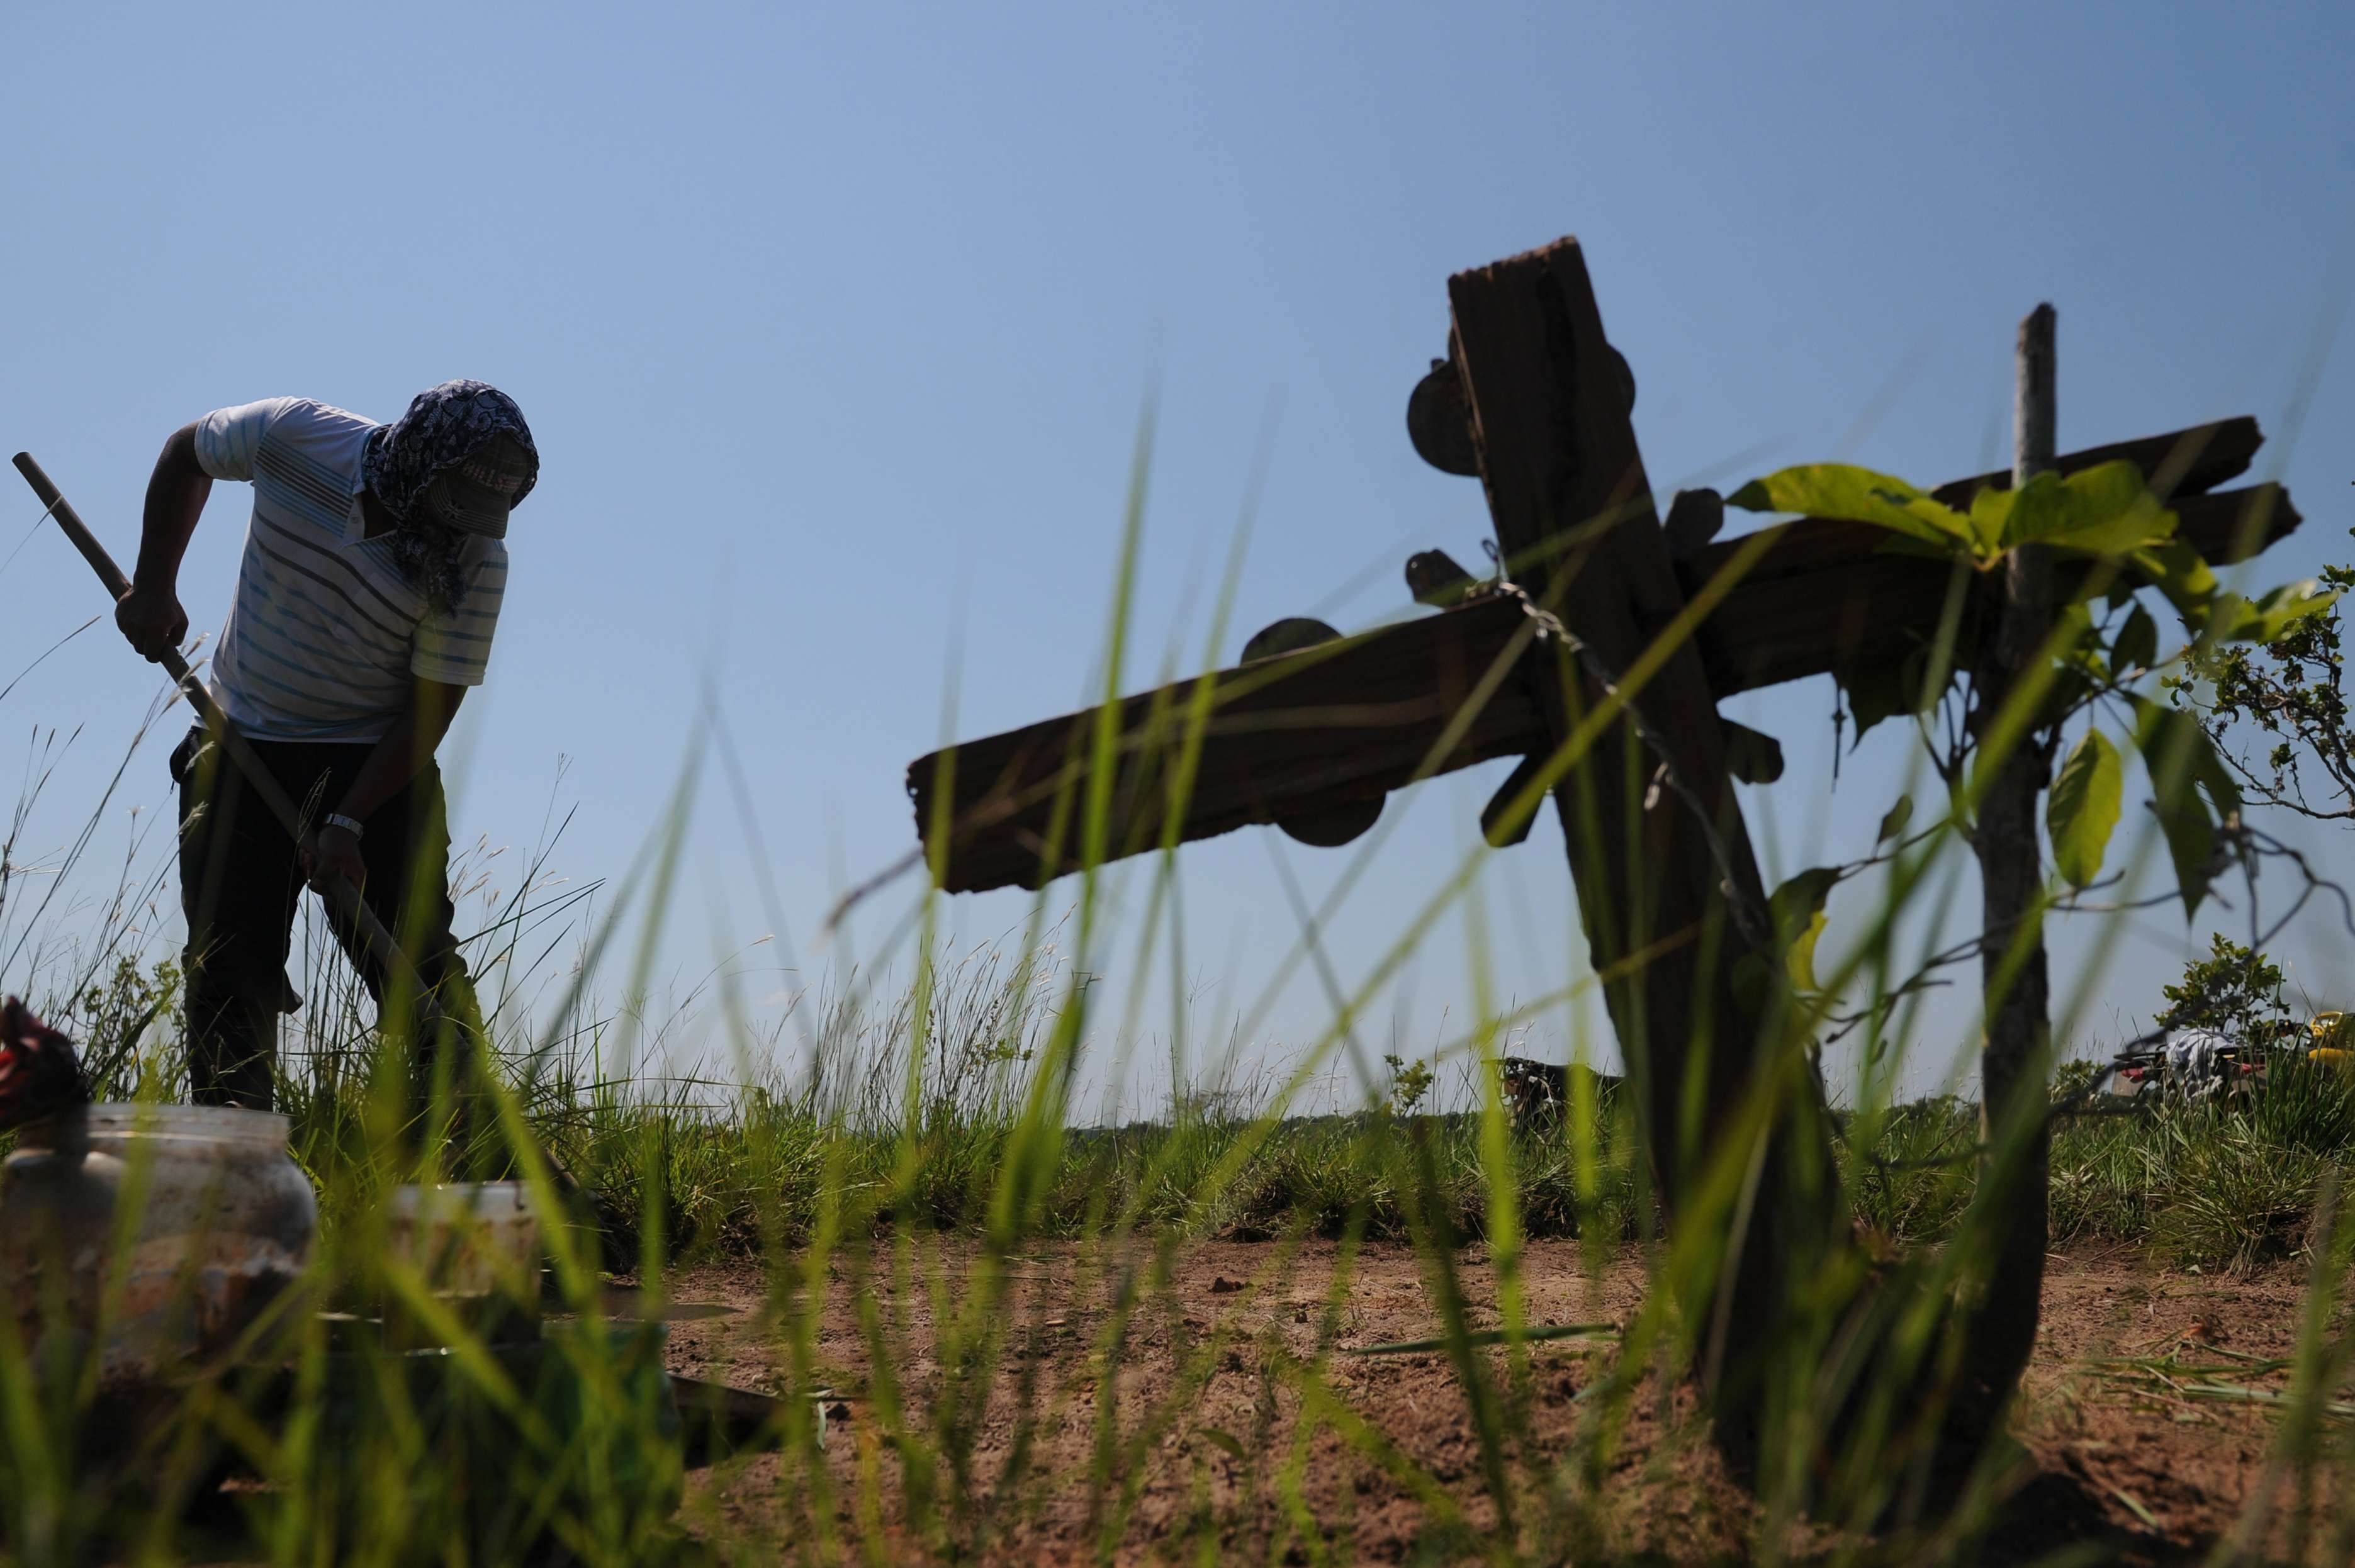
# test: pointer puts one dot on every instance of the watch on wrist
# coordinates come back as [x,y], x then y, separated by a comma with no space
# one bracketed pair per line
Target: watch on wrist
[337,819]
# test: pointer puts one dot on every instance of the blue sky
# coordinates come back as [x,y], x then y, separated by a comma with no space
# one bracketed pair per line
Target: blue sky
[836,325]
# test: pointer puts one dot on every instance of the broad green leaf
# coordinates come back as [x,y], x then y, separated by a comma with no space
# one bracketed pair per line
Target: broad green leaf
[2176,569]
[2191,844]
[1894,821]
[2182,764]
[1799,910]
[2226,614]
[2083,809]
[2136,646]
[1860,496]
[2078,642]
[2037,511]
[1799,957]
[2175,739]
[2103,491]
[1991,518]
[2147,527]
[2270,618]
[2101,510]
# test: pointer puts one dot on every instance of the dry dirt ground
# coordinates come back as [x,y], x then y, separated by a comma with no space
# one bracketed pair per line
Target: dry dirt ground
[2120,1464]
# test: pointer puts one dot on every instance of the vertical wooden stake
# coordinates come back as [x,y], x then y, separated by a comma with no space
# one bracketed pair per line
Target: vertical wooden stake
[2014,1060]
[2034,426]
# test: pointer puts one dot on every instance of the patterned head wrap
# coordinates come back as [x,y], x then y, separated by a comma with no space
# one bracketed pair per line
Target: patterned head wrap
[444,427]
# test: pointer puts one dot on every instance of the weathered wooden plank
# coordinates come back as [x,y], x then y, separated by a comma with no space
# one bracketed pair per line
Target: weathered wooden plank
[1828,592]
[1665,872]
[2236,525]
[2201,457]
[1351,721]
[1558,456]
[1787,628]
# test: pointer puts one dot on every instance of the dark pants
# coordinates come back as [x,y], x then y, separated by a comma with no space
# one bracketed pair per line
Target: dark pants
[240,878]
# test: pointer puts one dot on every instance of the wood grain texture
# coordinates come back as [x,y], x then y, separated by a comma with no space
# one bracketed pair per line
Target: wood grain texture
[1670,917]
[1350,721]
[1559,461]
[2199,458]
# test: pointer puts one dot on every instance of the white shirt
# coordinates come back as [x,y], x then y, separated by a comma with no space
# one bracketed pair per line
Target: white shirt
[327,637]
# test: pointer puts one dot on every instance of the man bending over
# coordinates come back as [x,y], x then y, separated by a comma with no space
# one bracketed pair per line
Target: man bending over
[373,570]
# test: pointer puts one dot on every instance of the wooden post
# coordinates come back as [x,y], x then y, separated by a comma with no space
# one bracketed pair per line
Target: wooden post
[1574,516]
[2013,1063]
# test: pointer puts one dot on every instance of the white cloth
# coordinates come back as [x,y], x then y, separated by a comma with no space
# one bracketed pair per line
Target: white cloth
[2194,1059]
[326,635]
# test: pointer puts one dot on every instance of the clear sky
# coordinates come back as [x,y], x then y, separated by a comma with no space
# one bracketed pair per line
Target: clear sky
[836,325]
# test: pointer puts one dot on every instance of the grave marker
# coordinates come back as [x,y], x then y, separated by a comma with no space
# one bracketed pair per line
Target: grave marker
[1536,402]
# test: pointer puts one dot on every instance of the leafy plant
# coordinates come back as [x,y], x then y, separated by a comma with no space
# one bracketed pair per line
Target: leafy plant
[2101,656]
[110,1019]
[2288,694]
[2234,991]
[2040,637]
[1410,1082]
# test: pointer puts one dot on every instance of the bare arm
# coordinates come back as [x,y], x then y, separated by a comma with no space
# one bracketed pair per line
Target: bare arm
[395,760]
[150,615]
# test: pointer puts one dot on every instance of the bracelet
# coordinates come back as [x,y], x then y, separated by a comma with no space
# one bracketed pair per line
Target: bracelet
[336,819]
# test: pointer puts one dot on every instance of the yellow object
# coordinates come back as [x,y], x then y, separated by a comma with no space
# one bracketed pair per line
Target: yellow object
[2332,1031]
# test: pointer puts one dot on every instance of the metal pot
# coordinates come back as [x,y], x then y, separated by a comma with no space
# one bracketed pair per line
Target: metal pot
[151,1235]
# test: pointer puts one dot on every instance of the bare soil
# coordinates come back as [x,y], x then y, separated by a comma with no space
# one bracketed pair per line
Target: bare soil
[2118,1462]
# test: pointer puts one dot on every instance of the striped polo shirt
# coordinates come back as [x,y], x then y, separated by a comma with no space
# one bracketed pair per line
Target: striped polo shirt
[327,636]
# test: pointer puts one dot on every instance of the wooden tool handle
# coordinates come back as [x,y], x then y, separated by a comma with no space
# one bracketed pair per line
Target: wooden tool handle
[341,896]
[78,533]
[69,519]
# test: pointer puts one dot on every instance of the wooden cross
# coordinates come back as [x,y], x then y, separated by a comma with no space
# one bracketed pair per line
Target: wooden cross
[1534,399]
